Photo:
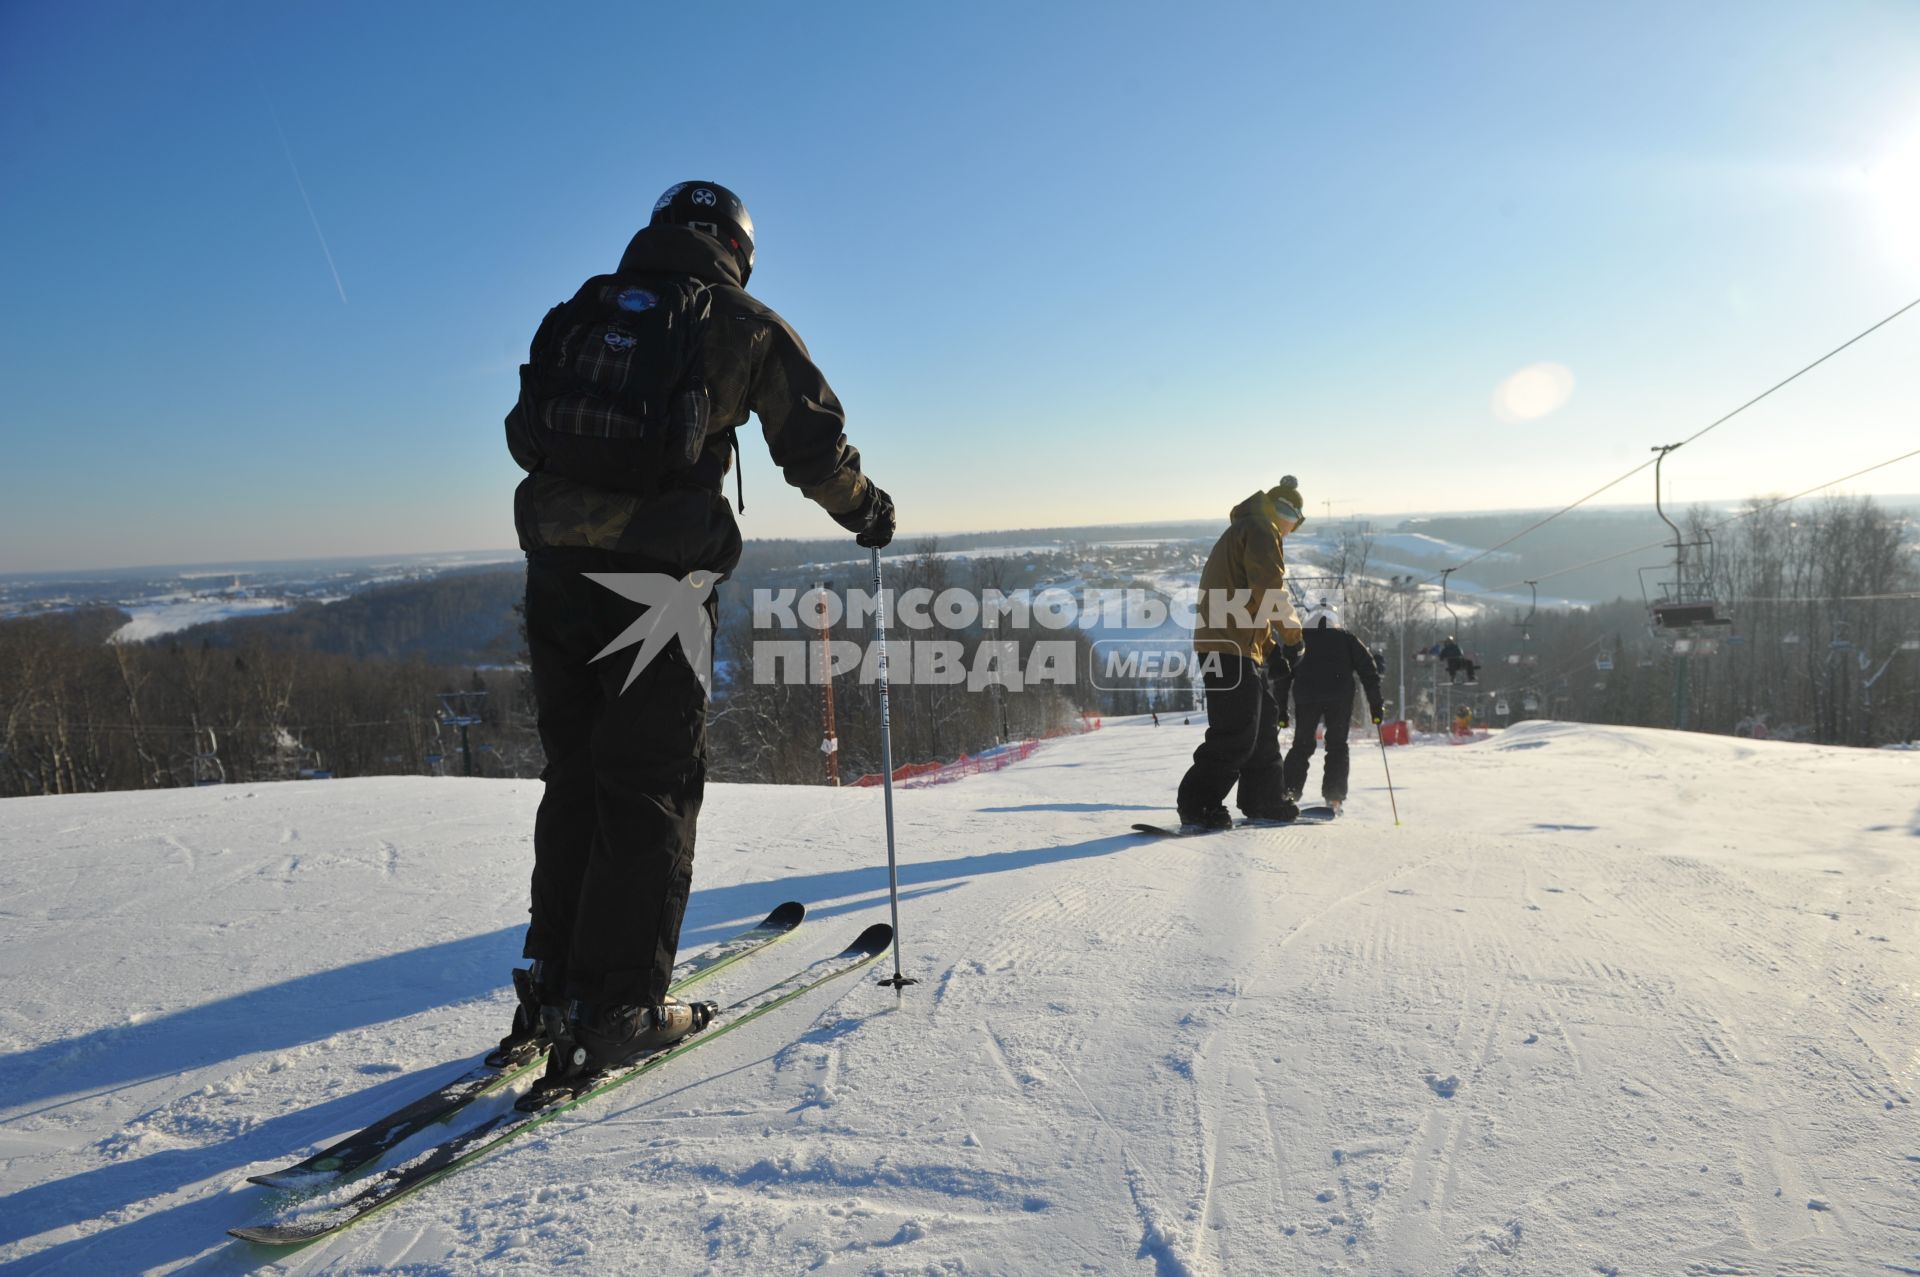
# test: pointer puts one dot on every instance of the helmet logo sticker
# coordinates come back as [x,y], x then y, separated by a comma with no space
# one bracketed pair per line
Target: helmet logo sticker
[704,197]
[667,199]
[617,339]
[636,299]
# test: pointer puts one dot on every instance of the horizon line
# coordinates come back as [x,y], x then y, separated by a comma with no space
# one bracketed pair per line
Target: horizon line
[243,566]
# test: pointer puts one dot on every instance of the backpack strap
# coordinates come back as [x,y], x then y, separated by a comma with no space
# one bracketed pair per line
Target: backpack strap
[739,469]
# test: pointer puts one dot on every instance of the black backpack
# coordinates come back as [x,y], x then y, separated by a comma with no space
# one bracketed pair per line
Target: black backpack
[611,393]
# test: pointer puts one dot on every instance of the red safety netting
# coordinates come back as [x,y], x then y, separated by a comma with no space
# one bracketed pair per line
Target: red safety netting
[915,775]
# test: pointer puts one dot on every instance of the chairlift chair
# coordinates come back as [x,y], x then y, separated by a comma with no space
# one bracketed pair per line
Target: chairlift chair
[1684,606]
[1674,615]
[1326,590]
[1525,623]
[1911,643]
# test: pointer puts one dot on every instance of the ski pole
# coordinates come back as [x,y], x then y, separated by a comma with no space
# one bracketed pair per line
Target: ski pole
[1387,769]
[897,980]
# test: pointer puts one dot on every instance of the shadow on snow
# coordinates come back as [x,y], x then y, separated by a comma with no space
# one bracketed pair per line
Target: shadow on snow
[314,1007]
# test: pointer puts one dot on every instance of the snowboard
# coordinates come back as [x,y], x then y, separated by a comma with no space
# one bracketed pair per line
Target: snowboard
[1174,831]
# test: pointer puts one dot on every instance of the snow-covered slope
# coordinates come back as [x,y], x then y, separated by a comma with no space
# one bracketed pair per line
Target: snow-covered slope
[1608,1001]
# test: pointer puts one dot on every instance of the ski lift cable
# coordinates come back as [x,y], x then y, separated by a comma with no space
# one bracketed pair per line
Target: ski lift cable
[1905,596]
[1720,421]
[1712,527]
[1796,376]
[1538,677]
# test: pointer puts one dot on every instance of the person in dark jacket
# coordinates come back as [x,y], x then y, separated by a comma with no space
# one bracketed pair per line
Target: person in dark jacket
[1323,697]
[1457,662]
[626,754]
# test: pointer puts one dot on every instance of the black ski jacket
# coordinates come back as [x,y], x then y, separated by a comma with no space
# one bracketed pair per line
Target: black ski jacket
[1325,671]
[754,363]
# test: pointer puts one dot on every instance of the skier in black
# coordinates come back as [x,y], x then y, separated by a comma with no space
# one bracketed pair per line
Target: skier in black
[1458,662]
[625,425]
[1323,696]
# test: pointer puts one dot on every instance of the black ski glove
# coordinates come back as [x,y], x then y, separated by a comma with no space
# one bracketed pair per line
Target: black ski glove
[871,522]
[1379,714]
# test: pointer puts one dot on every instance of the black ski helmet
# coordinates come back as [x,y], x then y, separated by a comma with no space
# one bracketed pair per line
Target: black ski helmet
[711,208]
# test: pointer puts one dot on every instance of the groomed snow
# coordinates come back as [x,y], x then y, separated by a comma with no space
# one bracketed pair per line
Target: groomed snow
[1608,1001]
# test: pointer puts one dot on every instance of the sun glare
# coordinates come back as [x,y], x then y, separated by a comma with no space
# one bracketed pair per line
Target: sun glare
[1533,392]
[1895,184]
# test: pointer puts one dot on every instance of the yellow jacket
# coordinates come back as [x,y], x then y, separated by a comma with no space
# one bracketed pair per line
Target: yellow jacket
[1243,590]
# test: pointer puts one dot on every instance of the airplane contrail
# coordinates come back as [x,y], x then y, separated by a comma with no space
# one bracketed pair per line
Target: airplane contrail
[311,215]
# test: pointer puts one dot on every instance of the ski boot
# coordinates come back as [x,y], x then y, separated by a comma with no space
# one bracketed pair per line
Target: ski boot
[589,1042]
[1205,820]
[617,1034]
[528,1037]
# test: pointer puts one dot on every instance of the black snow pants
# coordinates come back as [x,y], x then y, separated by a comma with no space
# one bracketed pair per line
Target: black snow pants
[1242,746]
[1308,716]
[613,839]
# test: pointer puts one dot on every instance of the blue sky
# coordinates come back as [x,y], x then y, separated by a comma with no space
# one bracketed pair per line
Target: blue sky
[1064,263]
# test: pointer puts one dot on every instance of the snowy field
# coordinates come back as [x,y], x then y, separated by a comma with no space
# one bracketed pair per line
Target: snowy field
[169,615]
[1610,1001]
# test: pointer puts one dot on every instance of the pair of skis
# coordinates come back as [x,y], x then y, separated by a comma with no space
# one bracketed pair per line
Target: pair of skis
[1308,816]
[331,1166]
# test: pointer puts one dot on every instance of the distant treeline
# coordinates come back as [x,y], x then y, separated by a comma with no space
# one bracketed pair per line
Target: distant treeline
[352,689]
[1824,646]
[79,713]
[462,617]
[1582,537]
[764,554]
[774,731]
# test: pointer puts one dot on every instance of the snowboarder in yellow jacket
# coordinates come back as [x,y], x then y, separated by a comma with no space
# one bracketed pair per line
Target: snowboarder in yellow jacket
[1246,635]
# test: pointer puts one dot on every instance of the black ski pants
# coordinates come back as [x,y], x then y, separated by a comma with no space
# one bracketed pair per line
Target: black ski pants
[1242,745]
[613,838]
[1308,716]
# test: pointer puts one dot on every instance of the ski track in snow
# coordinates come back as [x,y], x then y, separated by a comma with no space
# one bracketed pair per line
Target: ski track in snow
[1609,1001]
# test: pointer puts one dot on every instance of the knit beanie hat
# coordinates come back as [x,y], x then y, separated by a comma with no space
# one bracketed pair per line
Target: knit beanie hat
[1288,500]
